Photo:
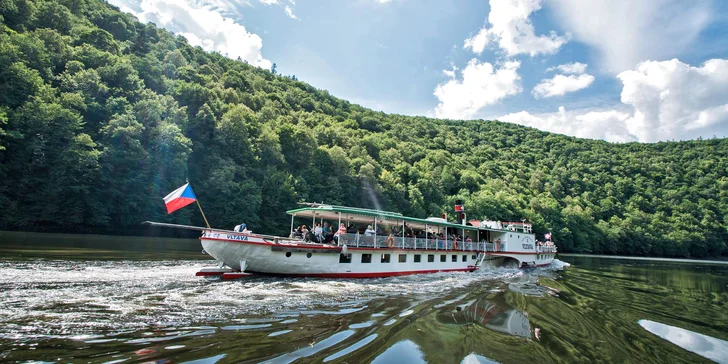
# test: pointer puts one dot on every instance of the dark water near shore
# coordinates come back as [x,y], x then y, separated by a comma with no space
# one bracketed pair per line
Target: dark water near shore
[125,306]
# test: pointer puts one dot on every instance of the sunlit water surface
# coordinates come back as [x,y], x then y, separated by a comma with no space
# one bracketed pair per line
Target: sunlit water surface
[597,310]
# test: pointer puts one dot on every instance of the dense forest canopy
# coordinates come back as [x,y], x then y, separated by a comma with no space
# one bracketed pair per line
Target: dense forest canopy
[101,116]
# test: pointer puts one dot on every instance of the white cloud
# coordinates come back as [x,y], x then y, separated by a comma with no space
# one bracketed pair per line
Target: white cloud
[626,32]
[481,85]
[560,85]
[383,1]
[660,101]
[289,12]
[608,125]
[569,68]
[269,2]
[513,31]
[204,27]
[672,99]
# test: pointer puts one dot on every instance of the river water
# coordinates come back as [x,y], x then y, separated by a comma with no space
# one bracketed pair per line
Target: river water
[56,307]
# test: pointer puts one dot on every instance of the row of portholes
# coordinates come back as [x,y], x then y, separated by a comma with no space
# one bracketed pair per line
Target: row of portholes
[308,255]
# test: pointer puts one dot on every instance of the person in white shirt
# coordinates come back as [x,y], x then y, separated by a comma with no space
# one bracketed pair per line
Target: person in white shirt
[319,232]
[369,231]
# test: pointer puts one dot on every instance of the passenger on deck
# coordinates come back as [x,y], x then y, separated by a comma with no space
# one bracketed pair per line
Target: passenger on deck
[341,231]
[329,236]
[304,232]
[351,229]
[326,228]
[298,233]
[369,231]
[319,232]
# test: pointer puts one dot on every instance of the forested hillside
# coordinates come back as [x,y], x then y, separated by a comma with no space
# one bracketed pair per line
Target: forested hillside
[101,116]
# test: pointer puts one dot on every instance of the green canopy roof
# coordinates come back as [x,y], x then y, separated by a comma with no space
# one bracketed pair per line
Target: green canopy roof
[360,215]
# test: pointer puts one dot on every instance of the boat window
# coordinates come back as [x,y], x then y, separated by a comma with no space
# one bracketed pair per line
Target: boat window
[474,257]
[454,258]
[403,258]
[288,254]
[366,258]
[418,258]
[430,258]
[344,258]
[465,258]
[443,258]
[385,258]
[308,255]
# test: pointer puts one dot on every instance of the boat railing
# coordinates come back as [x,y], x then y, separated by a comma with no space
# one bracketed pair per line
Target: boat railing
[384,241]
[546,249]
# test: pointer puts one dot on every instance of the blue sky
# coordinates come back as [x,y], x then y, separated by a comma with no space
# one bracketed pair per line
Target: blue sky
[631,70]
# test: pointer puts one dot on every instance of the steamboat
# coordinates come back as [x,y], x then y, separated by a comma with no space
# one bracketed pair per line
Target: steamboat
[392,245]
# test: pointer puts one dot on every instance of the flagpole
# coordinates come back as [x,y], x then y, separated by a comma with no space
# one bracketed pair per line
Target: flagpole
[200,207]
[203,214]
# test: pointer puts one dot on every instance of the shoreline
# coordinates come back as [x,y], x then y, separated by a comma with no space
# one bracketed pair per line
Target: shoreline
[657,259]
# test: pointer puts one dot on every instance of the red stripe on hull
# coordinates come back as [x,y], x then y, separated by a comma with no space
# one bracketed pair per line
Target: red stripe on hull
[370,274]
[496,253]
[208,274]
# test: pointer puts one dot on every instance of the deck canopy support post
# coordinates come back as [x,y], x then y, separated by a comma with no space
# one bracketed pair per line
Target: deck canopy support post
[402,233]
[292,216]
[375,231]
[426,236]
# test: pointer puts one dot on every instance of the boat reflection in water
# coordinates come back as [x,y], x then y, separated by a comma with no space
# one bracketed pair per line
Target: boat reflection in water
[492,312]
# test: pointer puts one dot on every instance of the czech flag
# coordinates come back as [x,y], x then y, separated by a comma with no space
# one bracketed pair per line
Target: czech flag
[179,198]
[547,236]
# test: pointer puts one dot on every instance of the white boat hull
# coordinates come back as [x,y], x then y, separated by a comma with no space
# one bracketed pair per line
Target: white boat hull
[256,254]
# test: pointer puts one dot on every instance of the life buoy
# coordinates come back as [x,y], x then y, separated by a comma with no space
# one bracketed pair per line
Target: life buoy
[455,245]
[390,241]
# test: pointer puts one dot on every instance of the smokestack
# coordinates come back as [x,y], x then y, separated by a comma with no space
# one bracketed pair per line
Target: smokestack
[459,210]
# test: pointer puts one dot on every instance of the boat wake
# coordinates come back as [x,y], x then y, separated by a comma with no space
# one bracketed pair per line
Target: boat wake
[65,299]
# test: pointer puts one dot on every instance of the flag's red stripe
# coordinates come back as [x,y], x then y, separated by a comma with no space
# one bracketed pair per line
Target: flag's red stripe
[178,203]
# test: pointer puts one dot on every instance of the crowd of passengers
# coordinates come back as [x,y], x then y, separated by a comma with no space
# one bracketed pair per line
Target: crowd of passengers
[328,234]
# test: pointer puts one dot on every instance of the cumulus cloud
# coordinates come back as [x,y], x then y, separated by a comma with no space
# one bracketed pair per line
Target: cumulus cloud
[204,27]
[513,31]
[560,85]
[608,125]
[625,32]
[569,68]
[660,101]
[671,98]
[481,85]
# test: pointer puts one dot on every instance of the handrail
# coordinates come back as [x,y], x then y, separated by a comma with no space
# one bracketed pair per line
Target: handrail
[380,241]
